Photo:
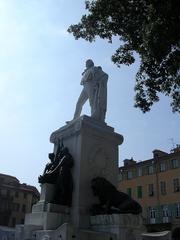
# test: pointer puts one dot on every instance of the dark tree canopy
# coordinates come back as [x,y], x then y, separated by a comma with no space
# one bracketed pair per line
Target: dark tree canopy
[150,28]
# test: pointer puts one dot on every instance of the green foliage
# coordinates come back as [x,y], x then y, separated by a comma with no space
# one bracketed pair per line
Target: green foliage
[150,28]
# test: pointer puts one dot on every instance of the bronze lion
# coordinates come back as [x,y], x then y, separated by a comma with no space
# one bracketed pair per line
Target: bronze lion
[111,200]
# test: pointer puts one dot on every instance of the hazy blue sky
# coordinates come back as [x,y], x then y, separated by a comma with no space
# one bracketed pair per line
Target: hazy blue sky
[40,71]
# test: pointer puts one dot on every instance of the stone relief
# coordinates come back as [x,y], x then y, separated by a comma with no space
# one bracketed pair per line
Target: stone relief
[99,162]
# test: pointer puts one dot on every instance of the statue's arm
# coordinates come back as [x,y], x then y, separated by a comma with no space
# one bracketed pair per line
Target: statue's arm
[87,76]
[47,167]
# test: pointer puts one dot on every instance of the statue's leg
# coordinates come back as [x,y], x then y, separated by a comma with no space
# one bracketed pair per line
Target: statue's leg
[102,115]
[81,101]
[91,92]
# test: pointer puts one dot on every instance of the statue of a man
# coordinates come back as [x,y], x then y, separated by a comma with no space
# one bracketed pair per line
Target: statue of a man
[94,82]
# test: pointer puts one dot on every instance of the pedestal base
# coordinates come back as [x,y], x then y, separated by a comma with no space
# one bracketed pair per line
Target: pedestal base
[46,220]
[45,216]
[124,226]
[102,227]
[68,232]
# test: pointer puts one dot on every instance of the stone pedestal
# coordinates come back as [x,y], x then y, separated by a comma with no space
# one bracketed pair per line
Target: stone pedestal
[94,147]
[123,226]
[46,215]
[68,232]
[47,194]
[102,227]
[46,220]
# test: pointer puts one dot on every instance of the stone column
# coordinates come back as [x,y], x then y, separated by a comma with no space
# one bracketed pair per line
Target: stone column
[94,147]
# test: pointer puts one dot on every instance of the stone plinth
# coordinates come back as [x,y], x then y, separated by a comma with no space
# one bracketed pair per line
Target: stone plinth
[102,227]
[124,226]
[47,194]
[94,147]
[46,215]
[68,232]
[46,220]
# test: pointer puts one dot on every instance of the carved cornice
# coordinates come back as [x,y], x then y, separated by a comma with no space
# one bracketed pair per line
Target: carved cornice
[90,126]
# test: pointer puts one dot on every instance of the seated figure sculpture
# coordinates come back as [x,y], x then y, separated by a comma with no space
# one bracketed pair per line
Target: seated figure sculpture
[50,172]
[64,181]
[111,200]
[58,172]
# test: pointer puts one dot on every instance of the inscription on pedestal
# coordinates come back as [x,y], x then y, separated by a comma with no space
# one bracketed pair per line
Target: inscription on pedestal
[123,220]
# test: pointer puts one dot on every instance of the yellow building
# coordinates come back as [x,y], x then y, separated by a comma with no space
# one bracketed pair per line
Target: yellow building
[155,184]
[16,199]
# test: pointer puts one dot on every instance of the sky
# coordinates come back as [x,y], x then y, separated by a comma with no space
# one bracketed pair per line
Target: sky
[40,72]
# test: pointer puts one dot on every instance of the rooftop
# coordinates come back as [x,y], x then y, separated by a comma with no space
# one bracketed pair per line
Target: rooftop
[157,155]
[13,182]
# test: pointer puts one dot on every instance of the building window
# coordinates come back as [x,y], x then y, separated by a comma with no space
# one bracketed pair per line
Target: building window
[25,195]
[176,185]
[165,213]
[152,215]
[16,207]
[129,175]
[13,222]
[23,208]
[8,193]
[6,220]
[174,163]
[177,209]
[139,191]
[120,176]
[163,188]
[150,169]
[124,176]
[139,172]
[129,192]
[151,190]
[162,167]
[1,180]
[16,194]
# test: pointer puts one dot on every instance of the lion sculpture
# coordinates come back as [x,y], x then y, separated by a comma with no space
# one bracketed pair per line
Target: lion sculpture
[112,200]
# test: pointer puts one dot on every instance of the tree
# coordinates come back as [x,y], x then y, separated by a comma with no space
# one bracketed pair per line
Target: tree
[150,28]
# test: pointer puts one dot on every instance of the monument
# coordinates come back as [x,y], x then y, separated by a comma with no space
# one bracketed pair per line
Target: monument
[79,199]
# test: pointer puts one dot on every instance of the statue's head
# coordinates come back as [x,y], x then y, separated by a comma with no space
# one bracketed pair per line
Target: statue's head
[51,156]
[89,63]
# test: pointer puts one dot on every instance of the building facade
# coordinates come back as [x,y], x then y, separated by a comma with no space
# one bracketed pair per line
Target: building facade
[155,184]
[16,200]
